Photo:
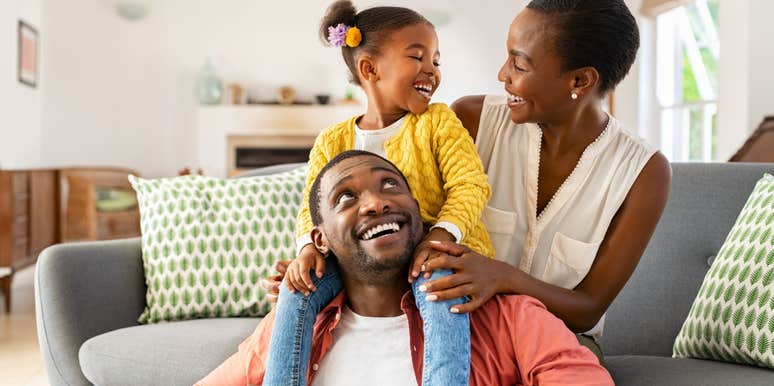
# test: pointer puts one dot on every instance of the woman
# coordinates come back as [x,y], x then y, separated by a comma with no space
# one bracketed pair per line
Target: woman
[575,197]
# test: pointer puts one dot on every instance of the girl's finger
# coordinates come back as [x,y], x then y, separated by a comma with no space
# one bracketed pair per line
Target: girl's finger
[319,266]
[416,266]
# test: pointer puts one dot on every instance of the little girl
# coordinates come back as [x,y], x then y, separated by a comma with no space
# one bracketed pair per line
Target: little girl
[392,53]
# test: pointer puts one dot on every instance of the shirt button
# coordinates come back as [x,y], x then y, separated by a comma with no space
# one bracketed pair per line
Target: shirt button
[315,367]
[414,347]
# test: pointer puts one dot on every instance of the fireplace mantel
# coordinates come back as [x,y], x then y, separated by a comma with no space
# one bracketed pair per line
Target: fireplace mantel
[275,126]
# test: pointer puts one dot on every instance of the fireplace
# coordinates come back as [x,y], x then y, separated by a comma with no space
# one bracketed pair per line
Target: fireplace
[255,151]
[234,139]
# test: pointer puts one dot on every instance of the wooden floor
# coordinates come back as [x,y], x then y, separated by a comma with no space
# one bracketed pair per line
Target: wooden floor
[20,360]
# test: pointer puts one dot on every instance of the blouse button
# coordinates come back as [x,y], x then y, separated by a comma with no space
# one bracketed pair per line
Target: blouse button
[315,367]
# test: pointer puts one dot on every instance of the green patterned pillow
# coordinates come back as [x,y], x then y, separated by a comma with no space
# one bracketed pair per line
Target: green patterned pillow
[207,242]
[732,318]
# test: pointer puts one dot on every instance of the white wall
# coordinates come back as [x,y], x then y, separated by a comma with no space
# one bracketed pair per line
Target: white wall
[20,128]
[121,93]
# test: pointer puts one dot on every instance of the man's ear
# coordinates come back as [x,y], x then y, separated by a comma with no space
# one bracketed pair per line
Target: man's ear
[584,80]
[366,69]
[320,241]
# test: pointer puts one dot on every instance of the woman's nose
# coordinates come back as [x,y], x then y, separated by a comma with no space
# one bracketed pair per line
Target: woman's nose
[502,75]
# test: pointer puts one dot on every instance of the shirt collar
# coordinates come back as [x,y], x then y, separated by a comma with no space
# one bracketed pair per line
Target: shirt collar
[336,306]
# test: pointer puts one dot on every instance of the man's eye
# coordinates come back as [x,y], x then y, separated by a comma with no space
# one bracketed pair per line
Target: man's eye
[344,197]
[419,58]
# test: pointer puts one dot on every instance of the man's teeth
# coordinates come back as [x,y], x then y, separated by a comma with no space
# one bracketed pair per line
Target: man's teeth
[394,227]
[514,99]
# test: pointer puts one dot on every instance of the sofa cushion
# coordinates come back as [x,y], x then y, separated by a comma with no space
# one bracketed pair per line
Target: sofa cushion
[732,318]
[206,242]
[178,353]
[632,370]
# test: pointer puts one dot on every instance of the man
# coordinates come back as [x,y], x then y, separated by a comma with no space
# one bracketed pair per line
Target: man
[365,216]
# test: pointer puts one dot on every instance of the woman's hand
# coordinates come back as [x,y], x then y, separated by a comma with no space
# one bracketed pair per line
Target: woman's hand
[424,252]
[474,275]
[272,283]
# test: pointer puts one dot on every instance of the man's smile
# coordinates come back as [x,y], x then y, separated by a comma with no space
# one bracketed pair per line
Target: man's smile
[382,227]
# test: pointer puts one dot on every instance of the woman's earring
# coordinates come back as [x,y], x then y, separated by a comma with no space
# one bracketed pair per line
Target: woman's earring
[574,95]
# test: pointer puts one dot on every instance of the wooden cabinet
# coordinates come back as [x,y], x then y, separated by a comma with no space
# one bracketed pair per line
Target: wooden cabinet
[39,208]
[29,219]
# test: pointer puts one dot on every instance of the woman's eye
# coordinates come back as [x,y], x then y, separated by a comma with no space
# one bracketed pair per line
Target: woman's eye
[344,197]
[516,66]
[437,63]
[419,58]
[389,184]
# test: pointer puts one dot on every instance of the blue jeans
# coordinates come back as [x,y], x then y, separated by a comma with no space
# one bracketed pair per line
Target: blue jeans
[447,335]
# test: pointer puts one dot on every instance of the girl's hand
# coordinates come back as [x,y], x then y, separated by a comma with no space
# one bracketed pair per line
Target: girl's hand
[474,275]
[298,278]
[423,252]
[272,283]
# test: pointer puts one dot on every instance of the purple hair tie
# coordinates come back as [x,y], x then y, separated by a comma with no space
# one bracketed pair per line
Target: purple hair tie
[337,36]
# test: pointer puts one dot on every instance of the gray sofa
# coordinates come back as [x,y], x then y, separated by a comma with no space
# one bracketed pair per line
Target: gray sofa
[88,297]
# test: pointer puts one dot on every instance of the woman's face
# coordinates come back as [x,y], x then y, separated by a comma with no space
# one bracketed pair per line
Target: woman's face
[537,89]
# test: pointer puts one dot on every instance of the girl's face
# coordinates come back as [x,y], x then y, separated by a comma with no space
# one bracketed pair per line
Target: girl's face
[537,89]
[407,69]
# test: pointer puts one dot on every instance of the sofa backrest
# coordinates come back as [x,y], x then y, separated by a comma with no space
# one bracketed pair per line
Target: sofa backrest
[703,205]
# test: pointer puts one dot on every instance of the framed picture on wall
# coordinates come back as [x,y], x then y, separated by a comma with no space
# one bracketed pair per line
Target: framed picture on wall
[28,54]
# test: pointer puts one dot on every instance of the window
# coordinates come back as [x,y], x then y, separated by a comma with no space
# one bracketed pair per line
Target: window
[687,53]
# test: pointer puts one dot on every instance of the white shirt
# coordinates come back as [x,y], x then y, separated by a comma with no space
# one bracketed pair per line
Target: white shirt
[560,245]
[374,140]
[368,351]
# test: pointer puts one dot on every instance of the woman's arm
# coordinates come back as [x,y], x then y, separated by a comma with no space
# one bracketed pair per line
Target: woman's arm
[582,307]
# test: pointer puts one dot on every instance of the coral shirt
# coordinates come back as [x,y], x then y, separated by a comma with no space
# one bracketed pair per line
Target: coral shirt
[514,341]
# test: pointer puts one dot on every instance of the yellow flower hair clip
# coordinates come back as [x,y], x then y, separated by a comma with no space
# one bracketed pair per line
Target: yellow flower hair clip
[343,34]
[354,37]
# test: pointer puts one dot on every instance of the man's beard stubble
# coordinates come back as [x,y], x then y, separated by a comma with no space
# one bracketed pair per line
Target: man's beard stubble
[373,270]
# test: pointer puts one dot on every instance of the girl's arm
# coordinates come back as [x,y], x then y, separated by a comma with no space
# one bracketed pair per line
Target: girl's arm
[307,256]
[464,181]
[582,307]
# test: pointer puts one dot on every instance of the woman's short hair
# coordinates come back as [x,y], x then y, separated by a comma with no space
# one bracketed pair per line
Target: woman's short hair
[593,33]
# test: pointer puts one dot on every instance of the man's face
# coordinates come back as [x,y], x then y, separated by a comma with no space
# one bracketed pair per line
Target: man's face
[370,221]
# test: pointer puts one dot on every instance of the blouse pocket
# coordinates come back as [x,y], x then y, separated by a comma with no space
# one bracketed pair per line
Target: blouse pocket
[501,225]
[569,261]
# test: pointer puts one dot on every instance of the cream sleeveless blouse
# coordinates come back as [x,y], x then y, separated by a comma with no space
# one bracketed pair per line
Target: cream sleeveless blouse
[560,244]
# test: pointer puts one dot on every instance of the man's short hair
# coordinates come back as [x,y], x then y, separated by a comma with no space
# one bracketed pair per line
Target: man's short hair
[314,192]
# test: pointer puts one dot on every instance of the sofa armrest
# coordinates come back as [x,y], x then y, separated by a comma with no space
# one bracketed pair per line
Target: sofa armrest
[83,290]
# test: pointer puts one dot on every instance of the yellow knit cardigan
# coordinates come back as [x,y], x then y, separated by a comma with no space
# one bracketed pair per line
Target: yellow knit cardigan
[440,162]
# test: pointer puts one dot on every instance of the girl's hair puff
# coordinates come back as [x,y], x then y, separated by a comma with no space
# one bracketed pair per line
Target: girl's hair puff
[375,25]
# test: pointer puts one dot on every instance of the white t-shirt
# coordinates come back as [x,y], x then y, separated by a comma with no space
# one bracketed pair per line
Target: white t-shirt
[373,140]
[367,351]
